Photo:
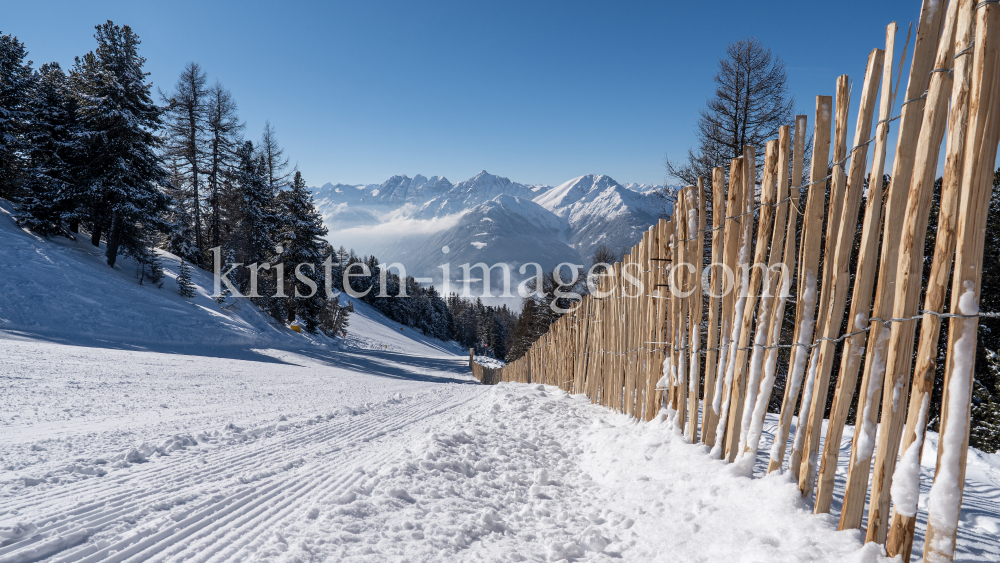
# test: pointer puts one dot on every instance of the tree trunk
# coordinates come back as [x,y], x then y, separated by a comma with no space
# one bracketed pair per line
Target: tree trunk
[114,238]
[95,236]
[74,226]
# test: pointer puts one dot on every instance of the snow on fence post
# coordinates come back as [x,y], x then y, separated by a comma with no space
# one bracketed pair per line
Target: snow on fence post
[840,280]
[909,274]
[805,306]
[838,186]
[709,416]
[905,487]
[746,300]
[869,397]
[944,506]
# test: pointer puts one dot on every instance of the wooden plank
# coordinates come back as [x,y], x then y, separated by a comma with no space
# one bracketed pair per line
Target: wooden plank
[747,300]
[812,224]
[709,415]
[944,507]
[840,285]
[731,233]
[911,112]
[909,272]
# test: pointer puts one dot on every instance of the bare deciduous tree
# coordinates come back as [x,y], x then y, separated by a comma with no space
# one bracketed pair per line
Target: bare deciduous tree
[749,105]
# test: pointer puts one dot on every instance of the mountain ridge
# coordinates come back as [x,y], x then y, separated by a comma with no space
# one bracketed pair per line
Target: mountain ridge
[487,218]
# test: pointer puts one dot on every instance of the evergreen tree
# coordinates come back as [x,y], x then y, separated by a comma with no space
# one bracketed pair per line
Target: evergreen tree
[185,287]
[55,164]
[125,169]
[16,83]
[333,318]
[252,204]
[302,233]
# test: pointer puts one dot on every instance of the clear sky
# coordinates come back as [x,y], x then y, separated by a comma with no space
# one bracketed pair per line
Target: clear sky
[540,92]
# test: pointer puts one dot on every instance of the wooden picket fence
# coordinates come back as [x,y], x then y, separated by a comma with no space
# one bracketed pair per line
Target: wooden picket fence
[663,333]
[485,375]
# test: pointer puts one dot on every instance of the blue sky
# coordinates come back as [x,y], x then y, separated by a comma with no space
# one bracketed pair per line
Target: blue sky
[538,92]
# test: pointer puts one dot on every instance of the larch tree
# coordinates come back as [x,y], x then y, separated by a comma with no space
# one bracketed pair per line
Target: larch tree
[187,140]
[274,156]
[750,104]
[223,132]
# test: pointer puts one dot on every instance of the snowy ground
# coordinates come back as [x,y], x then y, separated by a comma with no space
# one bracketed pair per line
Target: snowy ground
[135,425]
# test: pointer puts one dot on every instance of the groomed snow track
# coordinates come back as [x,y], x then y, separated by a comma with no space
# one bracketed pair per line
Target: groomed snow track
[223,499]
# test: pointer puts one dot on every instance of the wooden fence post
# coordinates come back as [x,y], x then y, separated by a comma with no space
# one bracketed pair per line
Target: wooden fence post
[901,528]
[945,501]
[709,416]
[696,222]
[812,224]
[837,187]
[767,227]
[909,274]
[771,311]
[681,243]
[840,278]
[747,299]
[911,112]
[655,396]
[864,282]
[732,234]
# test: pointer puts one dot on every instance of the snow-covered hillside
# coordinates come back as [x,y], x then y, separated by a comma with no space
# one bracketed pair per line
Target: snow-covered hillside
[486,219]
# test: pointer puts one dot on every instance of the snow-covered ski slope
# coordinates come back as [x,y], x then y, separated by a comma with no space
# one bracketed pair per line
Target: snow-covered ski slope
[140,427]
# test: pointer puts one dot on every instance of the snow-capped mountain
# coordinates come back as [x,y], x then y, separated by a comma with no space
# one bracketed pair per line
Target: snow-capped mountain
[486,218]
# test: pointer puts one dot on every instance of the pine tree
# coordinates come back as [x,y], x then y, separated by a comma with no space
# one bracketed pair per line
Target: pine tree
[333,318]
[120,119]
[252,205]
[302,232]
[16,83]
[55,164]
[186,140]
[185,287]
